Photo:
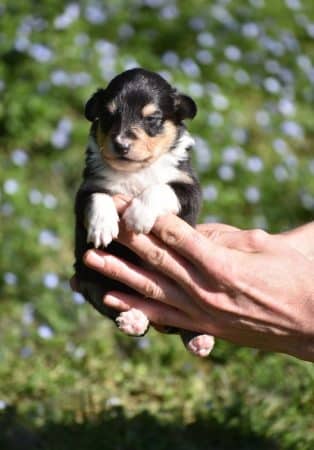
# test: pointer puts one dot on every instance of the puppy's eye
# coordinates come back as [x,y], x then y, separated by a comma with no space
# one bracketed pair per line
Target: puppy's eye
[153,120]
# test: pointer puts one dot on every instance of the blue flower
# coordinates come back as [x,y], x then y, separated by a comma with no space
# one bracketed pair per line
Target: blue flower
[51,280]
[11,186]
[252,194]
[70,14]
[19,157]
[40,53]
[226,172]
[10,278]
[45,332]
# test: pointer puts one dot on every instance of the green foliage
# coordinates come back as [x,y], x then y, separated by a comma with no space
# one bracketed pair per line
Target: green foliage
[68,379]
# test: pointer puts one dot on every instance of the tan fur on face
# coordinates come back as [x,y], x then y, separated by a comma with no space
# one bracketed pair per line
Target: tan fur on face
[149,109]
[144,149]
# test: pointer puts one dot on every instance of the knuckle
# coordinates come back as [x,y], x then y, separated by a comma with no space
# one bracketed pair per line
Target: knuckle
[173,237]
[151,290]
[257,238]
[156,257]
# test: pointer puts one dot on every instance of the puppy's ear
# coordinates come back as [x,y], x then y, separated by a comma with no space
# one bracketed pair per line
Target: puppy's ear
[185,106]
[94,104]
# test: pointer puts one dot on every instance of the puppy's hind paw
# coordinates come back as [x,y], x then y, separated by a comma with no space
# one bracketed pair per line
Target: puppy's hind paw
[198,344]
[133,322]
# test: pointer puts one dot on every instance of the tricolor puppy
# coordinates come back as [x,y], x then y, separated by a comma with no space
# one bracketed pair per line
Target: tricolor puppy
[138,146]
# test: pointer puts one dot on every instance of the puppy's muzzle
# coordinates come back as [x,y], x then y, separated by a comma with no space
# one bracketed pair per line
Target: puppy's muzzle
[121,145]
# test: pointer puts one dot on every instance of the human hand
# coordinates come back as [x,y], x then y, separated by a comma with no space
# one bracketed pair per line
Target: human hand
[249,287]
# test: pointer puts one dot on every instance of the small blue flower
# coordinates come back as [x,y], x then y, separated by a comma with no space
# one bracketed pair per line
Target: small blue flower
[219,101]
[78,298]
[215,119]
[51,280]
[50,201]
[40,53]
[190,67]
[3,404]
[250,30]
[70,14]
[292,129]
[11,186]
[95,13]
[45,332]
[204,56]
[252,194]
[206,39]
[210,193]
[226,172]
[26,352]
[19,157]
[10,278]
[233,53]
[170,59]
[230,154]
[169,12]
[286,107]
[35,197]
[272,85]
[49,239]
[281,173]
[255,164]
[293,4]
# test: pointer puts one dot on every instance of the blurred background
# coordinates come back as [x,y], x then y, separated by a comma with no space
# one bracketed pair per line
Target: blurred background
[68,379]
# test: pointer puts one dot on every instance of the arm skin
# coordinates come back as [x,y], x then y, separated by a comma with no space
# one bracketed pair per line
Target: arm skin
[249,287]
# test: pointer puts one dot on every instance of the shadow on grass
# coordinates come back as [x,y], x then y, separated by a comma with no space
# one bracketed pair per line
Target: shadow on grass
[114,431]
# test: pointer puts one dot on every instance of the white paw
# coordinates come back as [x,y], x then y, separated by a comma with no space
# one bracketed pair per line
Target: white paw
[102,221]
[101,231]
[201,345]
[132,322]
[139,218]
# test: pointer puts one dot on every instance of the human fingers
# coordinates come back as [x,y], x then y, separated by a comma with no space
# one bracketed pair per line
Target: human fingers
[150,284]
[210,259]
[208,229]
[164,260]
[157,313]
[249,241]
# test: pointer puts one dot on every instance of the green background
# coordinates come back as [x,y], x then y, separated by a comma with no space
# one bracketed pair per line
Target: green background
[68,378]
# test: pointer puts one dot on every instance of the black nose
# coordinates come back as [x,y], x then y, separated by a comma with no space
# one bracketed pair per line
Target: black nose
[121,148]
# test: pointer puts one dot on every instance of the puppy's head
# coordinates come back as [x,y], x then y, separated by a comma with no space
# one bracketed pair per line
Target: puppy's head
[136,118]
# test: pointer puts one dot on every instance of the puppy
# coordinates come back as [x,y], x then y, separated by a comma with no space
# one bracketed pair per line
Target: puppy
[138,146]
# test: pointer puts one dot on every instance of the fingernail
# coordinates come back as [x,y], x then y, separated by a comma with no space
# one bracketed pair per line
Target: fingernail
[110,300]
[94,258]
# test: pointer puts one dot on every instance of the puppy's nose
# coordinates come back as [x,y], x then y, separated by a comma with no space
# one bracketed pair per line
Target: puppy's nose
[121,146]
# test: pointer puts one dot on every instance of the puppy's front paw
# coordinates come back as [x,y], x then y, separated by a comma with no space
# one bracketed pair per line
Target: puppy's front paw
[102,221]
[139,218]
[102,231]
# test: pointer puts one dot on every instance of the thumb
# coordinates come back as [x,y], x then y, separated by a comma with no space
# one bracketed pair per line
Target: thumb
[249,241]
